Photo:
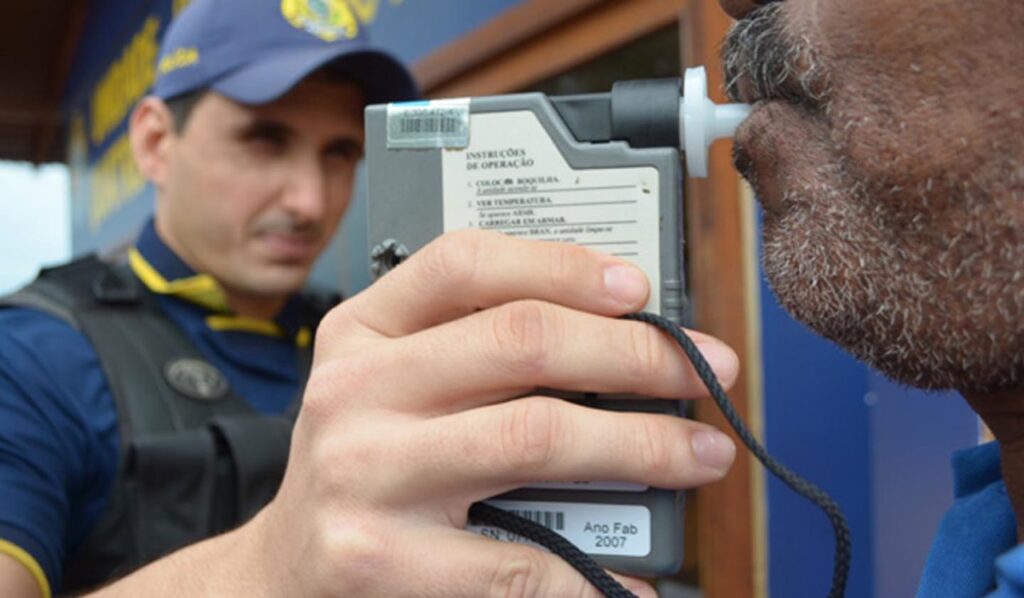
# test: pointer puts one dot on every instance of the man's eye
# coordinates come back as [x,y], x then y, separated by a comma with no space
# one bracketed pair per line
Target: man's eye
[267,140]
[345,150]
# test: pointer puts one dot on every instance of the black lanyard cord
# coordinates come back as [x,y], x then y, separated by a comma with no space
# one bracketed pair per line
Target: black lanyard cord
[596,575]
[535,532]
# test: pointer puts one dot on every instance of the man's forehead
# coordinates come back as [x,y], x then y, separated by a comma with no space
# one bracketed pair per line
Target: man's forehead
[311,99]
[321,91]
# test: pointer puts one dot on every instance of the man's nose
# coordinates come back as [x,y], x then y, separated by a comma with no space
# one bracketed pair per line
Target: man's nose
[738,9]
[305,195]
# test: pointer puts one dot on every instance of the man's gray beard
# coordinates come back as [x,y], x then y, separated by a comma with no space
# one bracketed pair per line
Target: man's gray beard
[923,283]
[928,309]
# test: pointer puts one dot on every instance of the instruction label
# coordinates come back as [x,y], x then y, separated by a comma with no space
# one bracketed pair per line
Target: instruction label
[512,178]
[615,530]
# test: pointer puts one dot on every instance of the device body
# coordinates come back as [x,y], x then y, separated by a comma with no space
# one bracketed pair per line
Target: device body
[600,170]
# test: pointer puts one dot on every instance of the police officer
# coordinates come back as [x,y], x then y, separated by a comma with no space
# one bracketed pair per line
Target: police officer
[140,406]
[147,407]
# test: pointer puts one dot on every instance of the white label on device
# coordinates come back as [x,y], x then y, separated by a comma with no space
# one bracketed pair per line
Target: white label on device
[428,124]
[615,530]
[512,178]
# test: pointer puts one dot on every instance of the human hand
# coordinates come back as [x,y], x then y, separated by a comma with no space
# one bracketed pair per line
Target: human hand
[410,415]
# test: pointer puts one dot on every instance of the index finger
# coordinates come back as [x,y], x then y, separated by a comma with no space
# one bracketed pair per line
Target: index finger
[469,270]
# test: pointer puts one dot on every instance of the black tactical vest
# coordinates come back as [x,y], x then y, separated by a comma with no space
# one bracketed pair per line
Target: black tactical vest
[195,460]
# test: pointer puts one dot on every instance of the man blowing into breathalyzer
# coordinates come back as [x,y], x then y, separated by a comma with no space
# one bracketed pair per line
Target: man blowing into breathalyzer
[886,148]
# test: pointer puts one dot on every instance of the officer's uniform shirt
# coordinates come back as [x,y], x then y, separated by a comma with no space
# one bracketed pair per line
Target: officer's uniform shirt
[974,549]
[58,423]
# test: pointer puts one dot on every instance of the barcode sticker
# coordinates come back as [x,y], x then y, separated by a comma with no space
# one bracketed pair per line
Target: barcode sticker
[617,530]
[550,519]
[428,124]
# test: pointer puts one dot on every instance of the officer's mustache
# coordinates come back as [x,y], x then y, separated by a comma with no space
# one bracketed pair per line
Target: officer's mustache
[288,226]
[763,62]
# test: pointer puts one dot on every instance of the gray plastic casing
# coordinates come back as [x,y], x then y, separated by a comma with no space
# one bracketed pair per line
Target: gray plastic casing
[405,205]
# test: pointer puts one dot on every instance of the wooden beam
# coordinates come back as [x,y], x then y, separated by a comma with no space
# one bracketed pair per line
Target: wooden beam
[505,31]
[27,115]
[719,262]
[46,132]
[554,48]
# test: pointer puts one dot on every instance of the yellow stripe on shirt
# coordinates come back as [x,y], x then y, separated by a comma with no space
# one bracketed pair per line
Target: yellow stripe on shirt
[304,337]
[30,563]
[201,289]
[221,323]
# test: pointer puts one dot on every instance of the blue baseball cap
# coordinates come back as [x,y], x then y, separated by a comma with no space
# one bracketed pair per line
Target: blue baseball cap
[255,51]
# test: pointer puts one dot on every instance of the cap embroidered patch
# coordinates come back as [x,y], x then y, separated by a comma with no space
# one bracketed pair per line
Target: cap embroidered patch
[178,58]
[327,19]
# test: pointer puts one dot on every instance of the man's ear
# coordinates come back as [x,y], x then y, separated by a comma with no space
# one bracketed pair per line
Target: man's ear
[152,134]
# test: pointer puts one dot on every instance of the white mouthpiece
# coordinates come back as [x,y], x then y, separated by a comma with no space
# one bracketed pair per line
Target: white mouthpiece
[701,121]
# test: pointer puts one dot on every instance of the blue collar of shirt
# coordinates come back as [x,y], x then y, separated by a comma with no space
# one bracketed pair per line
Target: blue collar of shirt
[977,529]
[160,256]
[975,468]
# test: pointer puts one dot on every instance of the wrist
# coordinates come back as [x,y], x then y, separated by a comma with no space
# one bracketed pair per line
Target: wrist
[242,564]
[231,564]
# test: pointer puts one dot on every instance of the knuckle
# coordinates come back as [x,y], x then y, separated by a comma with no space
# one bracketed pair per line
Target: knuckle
[357,552]
[521,573]
[336,324]
[523,332]
[334,384]
[453,259]
[531,433]
[342,332]
[647,356]
[339,318]
[656,449]
[567,261]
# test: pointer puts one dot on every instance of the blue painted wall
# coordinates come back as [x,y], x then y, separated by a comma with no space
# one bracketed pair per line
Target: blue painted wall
[911,436]
[816,423]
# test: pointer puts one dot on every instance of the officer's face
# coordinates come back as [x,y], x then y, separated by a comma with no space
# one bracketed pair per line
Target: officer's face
[252,194]
[887,148]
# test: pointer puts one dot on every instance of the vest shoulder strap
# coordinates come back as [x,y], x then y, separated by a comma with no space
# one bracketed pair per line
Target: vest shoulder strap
[194,460]
[159,380]
[58,290]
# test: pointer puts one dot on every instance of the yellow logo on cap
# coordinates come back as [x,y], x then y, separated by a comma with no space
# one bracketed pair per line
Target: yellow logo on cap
[178,59]
[327,19]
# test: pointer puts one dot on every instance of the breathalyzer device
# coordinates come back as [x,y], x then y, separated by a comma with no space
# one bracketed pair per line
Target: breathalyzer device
[601,170]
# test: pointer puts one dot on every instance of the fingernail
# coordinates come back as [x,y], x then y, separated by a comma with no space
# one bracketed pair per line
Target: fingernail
[713,449]
[627,284]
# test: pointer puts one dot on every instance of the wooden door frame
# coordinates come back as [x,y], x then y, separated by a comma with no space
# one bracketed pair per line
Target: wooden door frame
[538,39]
